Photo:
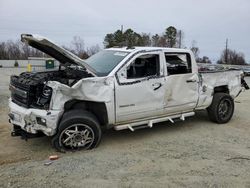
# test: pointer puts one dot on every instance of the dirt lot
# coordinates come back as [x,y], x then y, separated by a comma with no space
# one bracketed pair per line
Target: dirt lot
[194,153]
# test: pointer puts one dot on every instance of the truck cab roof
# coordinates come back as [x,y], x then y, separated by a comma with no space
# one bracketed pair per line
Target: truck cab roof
[139,48]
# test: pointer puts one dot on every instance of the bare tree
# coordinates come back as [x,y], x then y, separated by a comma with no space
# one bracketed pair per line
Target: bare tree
[3,51]
[26,51]
[13,50]
[93,50]
[18,50]
[195,49]
[78,46]
[162,41]
[155,40]
[146,39]
[159,40]
[232,57]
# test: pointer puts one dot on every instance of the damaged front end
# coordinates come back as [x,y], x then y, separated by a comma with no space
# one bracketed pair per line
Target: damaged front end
[33,120]
[31,95]
[46,106]
[30,90]
[30,102]
[38,99]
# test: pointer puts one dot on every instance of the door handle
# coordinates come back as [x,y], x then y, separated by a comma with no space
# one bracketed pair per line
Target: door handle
[191,80]
[156,86]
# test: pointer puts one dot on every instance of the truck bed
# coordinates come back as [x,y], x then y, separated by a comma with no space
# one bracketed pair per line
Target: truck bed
[229,80]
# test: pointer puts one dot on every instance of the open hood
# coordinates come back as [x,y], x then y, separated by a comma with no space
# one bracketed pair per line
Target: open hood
[64,56]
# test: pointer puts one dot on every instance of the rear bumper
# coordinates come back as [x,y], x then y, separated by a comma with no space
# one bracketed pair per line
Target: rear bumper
[34,120]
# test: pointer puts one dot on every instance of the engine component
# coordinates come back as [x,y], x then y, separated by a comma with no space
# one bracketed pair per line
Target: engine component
[29,89]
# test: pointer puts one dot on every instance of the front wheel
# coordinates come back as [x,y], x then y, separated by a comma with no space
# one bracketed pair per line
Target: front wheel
[222,108]
[77,130]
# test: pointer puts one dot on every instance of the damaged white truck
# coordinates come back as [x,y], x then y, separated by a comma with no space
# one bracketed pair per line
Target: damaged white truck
[120,88]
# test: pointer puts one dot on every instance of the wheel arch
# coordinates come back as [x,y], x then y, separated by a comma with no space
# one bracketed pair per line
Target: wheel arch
[222,89]
[98,109]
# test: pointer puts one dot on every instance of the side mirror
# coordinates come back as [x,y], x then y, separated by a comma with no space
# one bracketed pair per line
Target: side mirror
[122,74]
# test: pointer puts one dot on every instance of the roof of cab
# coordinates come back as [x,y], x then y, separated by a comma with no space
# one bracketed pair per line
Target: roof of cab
[135,49]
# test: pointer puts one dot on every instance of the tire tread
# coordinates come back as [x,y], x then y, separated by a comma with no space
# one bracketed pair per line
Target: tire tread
[213,108]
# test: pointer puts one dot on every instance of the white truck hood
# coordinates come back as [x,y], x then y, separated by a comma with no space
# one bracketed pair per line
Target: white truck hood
[64,56]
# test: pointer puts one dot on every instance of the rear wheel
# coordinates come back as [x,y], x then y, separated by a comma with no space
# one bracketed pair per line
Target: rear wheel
[77,130]
[222,108]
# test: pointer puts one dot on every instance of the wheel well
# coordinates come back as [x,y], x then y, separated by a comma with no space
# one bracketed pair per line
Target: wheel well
[97,108]
[221,89]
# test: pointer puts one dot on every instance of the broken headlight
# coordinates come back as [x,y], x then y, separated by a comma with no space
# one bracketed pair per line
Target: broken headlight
[44,99]
[47,92]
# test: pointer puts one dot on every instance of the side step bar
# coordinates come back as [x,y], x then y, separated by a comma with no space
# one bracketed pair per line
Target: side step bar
[149,123]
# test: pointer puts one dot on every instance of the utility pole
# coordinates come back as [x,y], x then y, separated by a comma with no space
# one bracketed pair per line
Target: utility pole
[122,28]
[180,39]
[226,52]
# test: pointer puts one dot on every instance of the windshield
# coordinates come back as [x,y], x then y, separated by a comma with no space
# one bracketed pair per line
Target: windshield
[105,61]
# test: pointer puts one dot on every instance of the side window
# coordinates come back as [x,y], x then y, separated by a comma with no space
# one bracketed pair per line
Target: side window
[144,66]
[178,63]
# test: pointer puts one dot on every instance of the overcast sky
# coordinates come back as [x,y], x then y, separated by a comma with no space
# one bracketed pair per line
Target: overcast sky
[207,22]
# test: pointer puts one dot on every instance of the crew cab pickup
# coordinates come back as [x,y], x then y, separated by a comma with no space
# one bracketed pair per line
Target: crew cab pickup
[120,88]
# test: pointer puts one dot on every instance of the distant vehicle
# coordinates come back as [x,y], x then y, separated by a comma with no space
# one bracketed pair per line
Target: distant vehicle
[120,88]
[246,71]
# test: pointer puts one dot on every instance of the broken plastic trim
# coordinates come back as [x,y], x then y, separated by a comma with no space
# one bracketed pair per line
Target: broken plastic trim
[17,131]
[244,83]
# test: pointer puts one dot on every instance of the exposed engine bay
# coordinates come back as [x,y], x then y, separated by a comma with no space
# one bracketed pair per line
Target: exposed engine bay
[29,88]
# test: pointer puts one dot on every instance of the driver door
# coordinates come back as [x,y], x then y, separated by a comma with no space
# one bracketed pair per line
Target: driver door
[139,90]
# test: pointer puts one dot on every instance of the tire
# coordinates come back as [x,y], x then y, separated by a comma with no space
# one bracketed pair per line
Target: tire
[222,108]
[77,130]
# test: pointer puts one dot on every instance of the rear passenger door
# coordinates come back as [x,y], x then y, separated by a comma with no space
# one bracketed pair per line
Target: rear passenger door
[181,89]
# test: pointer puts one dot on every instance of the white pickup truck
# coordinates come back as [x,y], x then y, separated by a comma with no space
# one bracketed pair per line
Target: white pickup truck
[120,88]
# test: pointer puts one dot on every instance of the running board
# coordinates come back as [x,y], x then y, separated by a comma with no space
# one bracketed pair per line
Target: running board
[149,123]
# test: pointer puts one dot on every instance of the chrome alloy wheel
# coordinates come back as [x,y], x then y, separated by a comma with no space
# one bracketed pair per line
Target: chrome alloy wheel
[77,136]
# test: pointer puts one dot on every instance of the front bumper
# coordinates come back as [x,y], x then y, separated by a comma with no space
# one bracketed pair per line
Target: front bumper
[34,120]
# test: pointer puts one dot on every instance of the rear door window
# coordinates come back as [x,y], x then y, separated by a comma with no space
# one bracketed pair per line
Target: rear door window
[178,63]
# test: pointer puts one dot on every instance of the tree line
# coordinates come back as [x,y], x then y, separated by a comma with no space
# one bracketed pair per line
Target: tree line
[17,50]
[14,50]
[170,37]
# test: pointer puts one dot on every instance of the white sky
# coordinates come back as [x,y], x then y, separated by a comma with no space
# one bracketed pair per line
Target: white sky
[207,22]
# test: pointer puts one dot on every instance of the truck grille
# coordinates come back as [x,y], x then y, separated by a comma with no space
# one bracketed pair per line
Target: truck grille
[21,93]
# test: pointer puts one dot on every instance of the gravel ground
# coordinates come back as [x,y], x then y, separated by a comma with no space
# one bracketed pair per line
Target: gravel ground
[194,153]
